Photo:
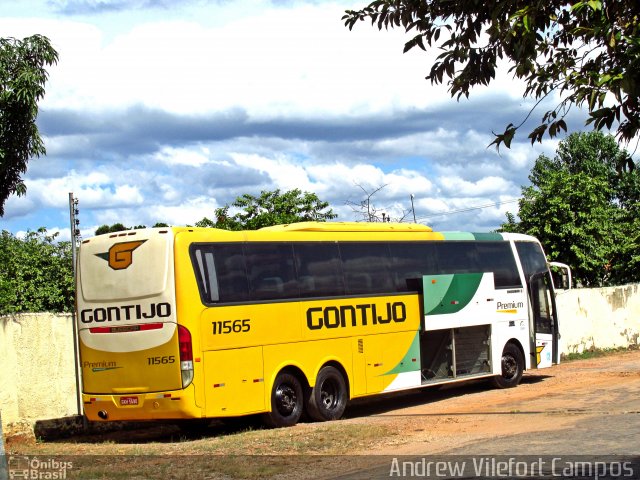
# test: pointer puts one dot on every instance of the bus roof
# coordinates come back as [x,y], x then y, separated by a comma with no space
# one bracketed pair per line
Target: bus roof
[332,231]
[348,227]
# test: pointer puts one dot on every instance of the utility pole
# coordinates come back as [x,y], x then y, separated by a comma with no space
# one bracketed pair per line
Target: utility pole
[75,237]
[413,210]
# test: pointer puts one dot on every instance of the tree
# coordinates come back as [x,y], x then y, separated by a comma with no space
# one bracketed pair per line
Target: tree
[22,79]
[583,210]
[586,51]
[270,208]
[368,212]
[119,227]
[36,273]
[116,227]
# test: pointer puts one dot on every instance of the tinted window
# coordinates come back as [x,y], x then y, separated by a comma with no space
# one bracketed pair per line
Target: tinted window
[497,257]
[270,271]
[409,262]
[457,257]
[542,306]
[532,258]
[225,264]
[319,269]
[366,267]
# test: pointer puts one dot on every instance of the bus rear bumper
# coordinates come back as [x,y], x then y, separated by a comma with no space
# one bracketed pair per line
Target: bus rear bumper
[177,404]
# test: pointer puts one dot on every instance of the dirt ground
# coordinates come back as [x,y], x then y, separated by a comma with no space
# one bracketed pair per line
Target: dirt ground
[558,398]
[567,409]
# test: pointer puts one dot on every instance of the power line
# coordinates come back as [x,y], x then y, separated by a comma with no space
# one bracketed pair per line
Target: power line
[468,209]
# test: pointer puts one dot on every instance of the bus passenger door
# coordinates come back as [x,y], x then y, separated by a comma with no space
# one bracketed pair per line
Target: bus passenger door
[545,321]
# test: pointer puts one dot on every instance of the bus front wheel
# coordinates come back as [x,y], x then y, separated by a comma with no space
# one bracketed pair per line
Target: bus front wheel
[287,401]
[328,398]
[512,364]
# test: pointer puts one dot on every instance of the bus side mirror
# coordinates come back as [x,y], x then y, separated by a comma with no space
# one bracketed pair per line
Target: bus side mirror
[561,275]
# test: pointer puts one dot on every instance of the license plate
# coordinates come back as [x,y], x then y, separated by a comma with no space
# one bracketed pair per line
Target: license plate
[128,400]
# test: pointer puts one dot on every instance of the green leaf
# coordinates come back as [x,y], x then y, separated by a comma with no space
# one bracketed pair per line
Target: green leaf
[585,53]
[22,79]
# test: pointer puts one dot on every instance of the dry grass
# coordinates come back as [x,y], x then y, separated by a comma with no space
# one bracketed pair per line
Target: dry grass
[165,452]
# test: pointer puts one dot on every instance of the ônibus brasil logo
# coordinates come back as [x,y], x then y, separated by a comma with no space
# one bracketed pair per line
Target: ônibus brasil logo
[120,255]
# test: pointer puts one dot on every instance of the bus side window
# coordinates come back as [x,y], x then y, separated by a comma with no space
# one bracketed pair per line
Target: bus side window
[202,277]
[319,269]
[232,273]
[457,257]
[410,262]
[270,270]
[219,272]
[366,267]
[214,293]
[497,257]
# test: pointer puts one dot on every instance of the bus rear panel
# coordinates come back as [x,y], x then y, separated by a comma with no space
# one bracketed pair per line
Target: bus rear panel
[136,360]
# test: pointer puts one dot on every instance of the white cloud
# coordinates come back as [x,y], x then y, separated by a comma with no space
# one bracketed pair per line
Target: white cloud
[405,182]
[274,62]
[95,189]
[128,195]
[183,156]
[19,206]
[284,173]
[314,106]
[487,186]
[186,213]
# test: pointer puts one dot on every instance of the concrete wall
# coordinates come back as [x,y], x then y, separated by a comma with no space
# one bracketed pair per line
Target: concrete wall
[37,374]
[37,378]
[599,318]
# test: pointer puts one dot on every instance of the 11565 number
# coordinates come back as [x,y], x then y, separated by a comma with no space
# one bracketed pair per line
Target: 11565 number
[228,326]
[161,360]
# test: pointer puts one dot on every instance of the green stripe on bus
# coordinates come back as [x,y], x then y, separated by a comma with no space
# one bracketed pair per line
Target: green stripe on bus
[460,289]
[407,364]
[488,237]
[435,288]
[483,237]
[458,236]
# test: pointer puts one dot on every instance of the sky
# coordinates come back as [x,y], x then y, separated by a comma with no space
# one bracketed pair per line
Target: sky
[163,111]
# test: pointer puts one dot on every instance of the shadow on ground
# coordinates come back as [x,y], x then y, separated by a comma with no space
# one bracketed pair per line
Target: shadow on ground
[80,430]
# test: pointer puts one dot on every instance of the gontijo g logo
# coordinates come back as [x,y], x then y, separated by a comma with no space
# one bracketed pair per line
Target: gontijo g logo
[120,255]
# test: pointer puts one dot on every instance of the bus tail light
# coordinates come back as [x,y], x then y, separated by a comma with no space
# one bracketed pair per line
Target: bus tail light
[186,355]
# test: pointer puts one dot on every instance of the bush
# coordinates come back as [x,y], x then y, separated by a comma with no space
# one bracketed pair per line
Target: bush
[36,273]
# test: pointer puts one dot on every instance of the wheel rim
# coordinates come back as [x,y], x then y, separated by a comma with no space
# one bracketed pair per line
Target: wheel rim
[329,394]
[509,367]
[286,399]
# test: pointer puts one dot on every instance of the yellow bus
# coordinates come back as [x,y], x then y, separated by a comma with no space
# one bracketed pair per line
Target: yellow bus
[198,323]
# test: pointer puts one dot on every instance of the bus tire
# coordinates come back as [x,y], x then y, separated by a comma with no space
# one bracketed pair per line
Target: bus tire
[512,364]
[328,398]
[287,401]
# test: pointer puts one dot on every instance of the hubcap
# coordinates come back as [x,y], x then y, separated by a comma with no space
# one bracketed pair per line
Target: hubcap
[329,395]
[509,366]
[286,399]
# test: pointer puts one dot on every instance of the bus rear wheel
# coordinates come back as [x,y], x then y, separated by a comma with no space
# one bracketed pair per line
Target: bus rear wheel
[512,364]
[287,401]
[328,398]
